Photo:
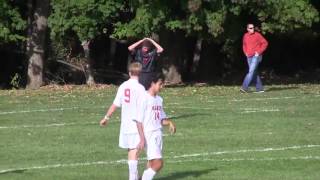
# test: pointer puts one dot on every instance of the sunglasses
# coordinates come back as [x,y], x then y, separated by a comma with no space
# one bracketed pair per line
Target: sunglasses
[250,27]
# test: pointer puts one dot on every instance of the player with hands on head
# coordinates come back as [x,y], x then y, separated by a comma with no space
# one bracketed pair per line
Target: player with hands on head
[146,52]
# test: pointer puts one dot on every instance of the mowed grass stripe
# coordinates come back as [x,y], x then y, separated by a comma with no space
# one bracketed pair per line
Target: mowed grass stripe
[124,161]
[169,104]
[209,119]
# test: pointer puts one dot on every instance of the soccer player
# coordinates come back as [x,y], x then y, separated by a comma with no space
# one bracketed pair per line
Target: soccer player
[153,118]
[131,131]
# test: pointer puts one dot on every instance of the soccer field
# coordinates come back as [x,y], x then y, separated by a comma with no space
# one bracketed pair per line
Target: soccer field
[54,133]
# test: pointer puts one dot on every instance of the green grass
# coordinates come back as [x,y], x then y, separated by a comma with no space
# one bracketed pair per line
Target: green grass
[221,134]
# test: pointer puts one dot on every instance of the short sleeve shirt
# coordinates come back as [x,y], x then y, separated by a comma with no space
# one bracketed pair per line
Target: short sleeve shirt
[128,96]
[147,60]
[151,112]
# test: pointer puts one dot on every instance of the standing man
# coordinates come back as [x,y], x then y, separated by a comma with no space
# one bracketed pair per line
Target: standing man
[153,118]
[131,130]
[145,52]
[254,44]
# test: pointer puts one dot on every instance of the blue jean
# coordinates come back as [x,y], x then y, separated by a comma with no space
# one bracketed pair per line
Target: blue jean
[252,76]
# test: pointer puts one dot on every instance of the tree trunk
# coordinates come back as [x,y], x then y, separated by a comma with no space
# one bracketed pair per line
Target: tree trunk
[38,12]
[88,66]
[196,55]
[171,58]
[172,75]
[113,48]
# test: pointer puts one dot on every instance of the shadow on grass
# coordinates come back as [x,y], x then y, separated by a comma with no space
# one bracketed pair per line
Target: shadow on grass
[187,174]
[281,88]
[18,171]
[189,115]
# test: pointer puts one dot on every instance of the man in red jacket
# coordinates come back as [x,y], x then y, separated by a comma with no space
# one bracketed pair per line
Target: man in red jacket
[254,44]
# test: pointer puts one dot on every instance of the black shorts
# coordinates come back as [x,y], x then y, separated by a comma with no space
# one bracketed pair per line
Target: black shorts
[145,79]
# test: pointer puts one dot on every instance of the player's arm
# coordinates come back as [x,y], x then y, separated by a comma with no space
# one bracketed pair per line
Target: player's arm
[106,118]
[172,126]
[136,44]
[159,48]
[141,135]
[141,107]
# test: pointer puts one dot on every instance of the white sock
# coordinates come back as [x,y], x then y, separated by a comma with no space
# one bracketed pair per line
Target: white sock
[148,174]
[133,169]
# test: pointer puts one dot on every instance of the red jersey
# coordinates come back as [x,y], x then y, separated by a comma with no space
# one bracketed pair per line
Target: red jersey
[252,43]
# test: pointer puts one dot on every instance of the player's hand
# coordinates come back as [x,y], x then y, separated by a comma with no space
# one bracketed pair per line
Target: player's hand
[103,122]
[141,145]
[256,54]
[172,128]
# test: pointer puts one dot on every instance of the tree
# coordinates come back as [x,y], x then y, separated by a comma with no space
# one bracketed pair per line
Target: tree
[221,21]
[11,23]
[87,19]
[38,12]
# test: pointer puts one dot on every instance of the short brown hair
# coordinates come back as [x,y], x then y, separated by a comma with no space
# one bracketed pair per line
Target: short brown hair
[135,68]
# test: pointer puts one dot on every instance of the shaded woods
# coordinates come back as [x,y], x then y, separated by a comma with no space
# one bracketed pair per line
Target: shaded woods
[86,42]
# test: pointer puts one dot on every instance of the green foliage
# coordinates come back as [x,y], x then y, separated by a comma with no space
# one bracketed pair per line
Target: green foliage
[287,16]
[278,15]
[147,20]
[87,18]
[11,23]
[215,21]
[15,81]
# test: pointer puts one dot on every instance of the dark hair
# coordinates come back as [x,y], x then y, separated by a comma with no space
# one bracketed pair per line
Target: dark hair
[147,43]
[155,78]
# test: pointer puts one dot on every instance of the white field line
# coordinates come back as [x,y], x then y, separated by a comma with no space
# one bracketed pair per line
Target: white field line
[187,107]
[65,124]
[248,99]
[180,107]
[245,151]
[121,161]
[48,125]
[247,159]
[259,110]
[255,110]
[39,110]
[262,99]
[72,108]
[124,161]
[213,108]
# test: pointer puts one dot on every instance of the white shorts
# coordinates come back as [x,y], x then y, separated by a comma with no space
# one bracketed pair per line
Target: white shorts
[154,144]
[129,141]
